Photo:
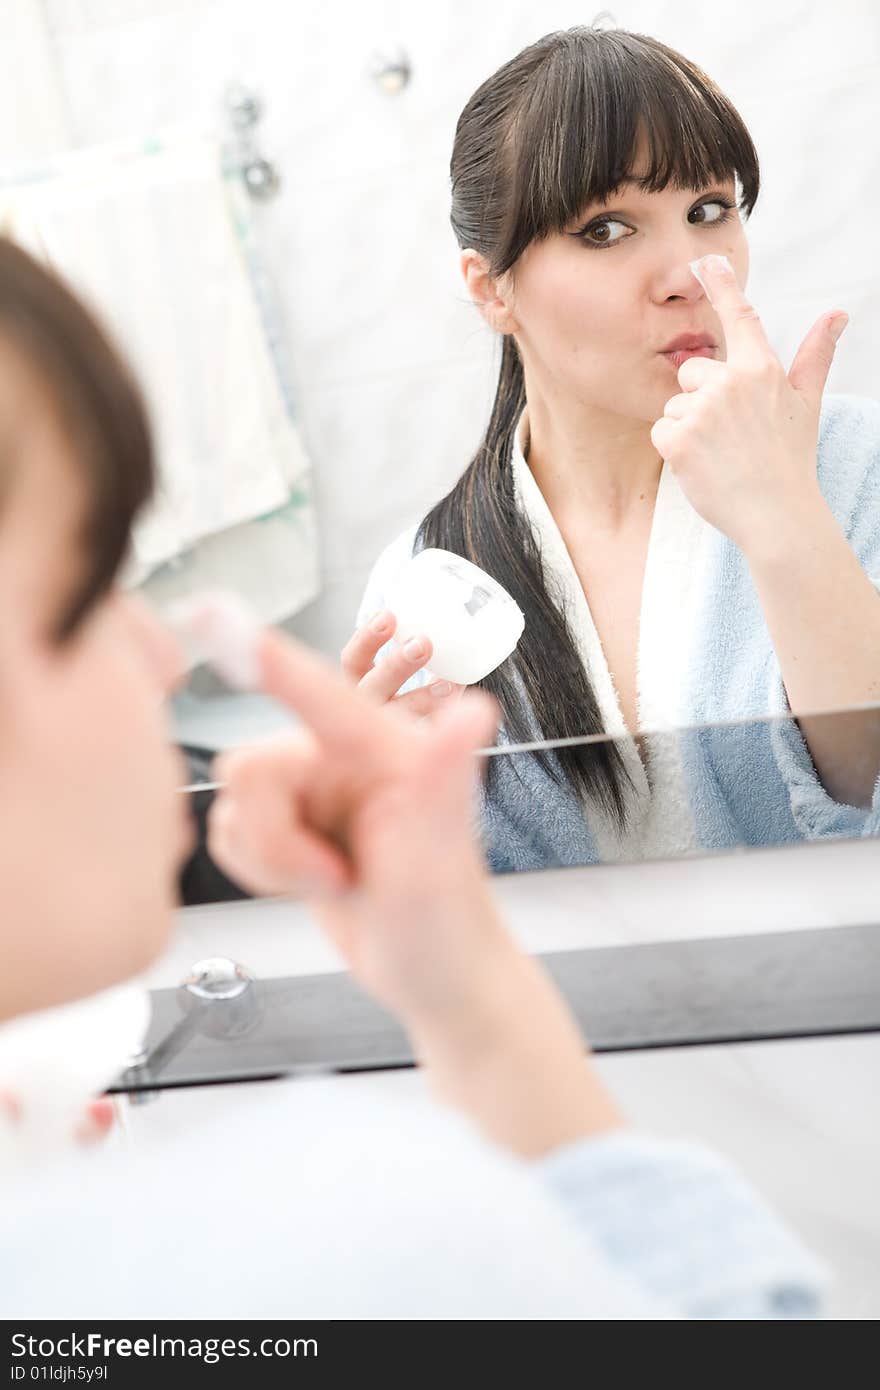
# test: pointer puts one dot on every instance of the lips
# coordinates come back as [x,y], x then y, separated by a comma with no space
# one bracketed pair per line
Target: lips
[689,342]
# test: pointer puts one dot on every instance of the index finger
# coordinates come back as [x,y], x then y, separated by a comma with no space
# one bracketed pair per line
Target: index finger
[359,652]
[251,657]
[743,330]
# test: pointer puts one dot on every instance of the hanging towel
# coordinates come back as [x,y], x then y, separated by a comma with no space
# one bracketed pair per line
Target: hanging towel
[158,238]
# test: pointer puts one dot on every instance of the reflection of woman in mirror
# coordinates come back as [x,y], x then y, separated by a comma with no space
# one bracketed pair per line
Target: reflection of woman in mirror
[691,535]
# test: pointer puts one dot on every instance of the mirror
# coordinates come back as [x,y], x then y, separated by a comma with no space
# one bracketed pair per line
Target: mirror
[266,229]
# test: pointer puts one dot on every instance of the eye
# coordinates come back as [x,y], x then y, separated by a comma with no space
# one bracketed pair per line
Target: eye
[725,209]
[603,225]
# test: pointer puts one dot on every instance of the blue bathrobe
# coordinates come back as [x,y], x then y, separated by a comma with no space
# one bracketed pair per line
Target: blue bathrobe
[751,783]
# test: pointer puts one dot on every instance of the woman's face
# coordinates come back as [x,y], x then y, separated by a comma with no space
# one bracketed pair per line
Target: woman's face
[92,830]
[593,306]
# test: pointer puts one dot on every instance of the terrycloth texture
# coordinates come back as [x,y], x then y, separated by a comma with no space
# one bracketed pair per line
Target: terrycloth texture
[160,239]
[705,658]
[358,1204]
[54,1061]
[666,1211]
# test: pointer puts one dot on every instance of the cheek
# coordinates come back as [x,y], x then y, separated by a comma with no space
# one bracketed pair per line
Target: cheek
[91,824]
[739,259]
[571,314]
[736,248]
[593,322]
[119,766]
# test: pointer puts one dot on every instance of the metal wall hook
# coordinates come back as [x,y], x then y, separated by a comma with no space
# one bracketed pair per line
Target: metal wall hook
[244,110]
[243,106]
[261,178]
[391,71]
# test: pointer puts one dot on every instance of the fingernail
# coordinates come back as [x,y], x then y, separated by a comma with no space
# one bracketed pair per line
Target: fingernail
[380,622]
[441,688]
[718,264]
[414,649]
[836,326]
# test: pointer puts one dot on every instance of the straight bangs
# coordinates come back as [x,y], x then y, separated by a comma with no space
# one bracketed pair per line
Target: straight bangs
[591,98]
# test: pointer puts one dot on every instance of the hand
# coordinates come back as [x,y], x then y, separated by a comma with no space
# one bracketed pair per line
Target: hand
[370,815]
[742,436]
[380,683]
[365,813]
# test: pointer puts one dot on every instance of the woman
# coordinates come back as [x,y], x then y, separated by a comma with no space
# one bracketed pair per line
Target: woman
[564,1212]
[691,534]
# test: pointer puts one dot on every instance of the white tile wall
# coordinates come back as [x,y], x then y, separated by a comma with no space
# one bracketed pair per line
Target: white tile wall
[33,119]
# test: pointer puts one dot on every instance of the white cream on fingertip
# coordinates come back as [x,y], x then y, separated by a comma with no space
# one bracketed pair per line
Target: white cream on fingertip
[218,627]
[695,269]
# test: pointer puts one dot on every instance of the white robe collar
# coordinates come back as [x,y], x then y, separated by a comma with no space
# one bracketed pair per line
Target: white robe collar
[671,588]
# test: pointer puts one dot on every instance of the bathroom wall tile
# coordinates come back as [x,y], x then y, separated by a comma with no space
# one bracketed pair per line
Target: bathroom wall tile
[78,16]
[384,450]
[371,278]
[328,623]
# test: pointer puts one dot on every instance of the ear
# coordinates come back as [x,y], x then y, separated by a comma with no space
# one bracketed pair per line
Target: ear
[490,295]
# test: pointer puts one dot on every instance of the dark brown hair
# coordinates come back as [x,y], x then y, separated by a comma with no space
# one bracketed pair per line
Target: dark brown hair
[98,404]
[552,131]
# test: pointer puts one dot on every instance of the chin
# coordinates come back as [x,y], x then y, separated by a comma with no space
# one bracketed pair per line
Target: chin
[652,402]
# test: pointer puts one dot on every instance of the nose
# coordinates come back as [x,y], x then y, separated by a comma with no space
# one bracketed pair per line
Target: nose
[673,277]
[164,655]
[679,282]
